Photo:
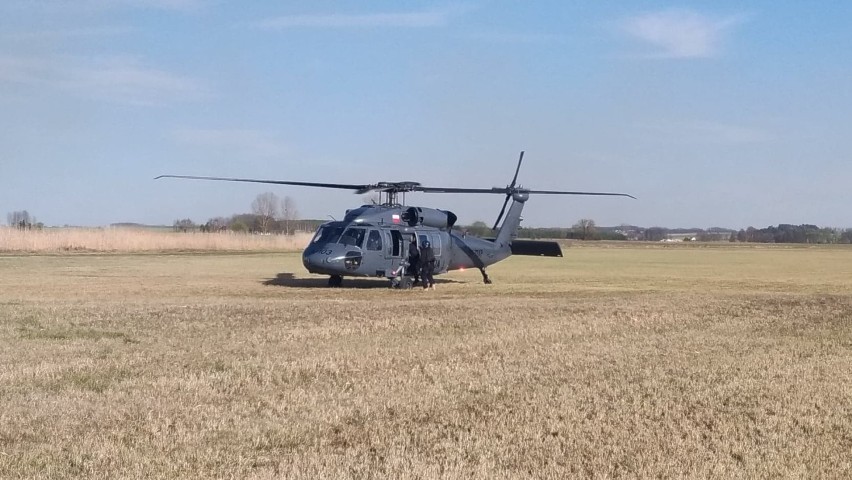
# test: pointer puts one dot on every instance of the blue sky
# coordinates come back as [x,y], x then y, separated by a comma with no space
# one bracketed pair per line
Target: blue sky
[711,113]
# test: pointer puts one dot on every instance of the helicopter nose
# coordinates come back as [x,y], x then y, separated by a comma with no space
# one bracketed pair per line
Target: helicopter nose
[325,260]
[317,259]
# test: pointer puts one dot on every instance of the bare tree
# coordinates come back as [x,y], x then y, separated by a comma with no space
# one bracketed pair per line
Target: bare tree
[216,224]
[289,212]
[585,227]
[20,219]
[183,225]
[267,207]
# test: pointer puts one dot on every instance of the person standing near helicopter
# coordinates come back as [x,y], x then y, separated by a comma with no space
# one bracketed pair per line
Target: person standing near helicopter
[427,265]
[414,259]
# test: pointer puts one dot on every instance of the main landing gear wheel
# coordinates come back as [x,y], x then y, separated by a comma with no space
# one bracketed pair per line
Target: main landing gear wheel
[485,278]
[335,281]
[402,283]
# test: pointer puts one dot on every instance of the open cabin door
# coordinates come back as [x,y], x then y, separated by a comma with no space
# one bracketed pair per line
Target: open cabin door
[396,251]
[396,245]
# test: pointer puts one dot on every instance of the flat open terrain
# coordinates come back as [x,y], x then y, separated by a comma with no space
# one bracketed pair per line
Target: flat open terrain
[639,361]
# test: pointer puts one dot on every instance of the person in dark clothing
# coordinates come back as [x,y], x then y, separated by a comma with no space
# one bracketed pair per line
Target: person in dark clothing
[414,260]
[427,265]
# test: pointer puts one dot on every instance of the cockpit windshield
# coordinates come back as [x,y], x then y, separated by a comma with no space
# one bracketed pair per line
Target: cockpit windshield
[352,236]
[327,234]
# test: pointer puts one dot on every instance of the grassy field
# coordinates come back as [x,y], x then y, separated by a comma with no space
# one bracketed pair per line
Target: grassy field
[630,361]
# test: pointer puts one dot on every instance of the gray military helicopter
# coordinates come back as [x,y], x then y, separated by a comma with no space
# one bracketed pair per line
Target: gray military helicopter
[372,240]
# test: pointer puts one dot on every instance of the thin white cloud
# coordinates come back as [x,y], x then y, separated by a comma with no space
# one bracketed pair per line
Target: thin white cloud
[238,142]
[118,79]
[515,38]
[425,19]
[185,5]
[704,132]
[66,6]
[681,33]
[85,32]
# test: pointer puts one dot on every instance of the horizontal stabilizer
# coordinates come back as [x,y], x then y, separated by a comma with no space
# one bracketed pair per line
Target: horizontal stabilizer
[536,248]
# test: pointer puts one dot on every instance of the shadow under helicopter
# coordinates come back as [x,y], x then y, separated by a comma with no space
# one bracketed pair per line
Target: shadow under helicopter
[286,279]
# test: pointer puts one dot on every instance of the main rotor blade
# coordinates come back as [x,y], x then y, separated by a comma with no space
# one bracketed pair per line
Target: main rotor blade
[363,188]
[502,190]
[509,191]
[342,186]
[502,210]
[555,192]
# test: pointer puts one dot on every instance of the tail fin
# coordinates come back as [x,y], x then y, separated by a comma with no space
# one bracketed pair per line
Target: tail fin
[512,222]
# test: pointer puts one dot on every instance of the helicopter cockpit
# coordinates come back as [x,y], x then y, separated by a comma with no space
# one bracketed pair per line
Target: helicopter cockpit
[353,236]
[327,233]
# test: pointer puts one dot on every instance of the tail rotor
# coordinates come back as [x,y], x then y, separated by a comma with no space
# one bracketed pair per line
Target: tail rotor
[509,191]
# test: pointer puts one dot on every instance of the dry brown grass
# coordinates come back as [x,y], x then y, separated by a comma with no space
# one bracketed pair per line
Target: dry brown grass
[643,362]
[67,240]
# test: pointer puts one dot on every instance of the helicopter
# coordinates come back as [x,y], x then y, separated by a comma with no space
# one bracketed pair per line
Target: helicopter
[372,240]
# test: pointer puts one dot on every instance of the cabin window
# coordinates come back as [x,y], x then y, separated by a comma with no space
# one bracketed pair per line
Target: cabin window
[434,240]
[436,244]
[327,234]
[374,241]
[353,236]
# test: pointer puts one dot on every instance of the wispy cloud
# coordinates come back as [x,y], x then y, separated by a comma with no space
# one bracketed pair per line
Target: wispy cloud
[703,132]
[84,32]
[64,6]
[184,5]
[119,79]
[681,33]
[177,5]
[515,38]
[423,19]
[239,142]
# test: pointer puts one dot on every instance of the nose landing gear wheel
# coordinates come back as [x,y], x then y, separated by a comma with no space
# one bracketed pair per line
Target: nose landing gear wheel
[335,281]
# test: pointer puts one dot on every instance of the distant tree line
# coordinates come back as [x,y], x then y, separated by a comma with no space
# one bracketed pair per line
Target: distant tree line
[269,214]
[23,220]
[246,223]
[786,233]
[585,229]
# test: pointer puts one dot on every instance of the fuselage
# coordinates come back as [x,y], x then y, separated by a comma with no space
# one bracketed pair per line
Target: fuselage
[373,241]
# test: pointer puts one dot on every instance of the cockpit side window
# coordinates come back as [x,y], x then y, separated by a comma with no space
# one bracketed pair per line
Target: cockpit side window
[352,236]
[374,240]
[327,234]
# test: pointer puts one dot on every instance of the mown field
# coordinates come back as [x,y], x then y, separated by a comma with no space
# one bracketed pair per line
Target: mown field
[635,361]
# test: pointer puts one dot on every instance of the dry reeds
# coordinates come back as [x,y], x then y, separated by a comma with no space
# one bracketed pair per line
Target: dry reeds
[128,240]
